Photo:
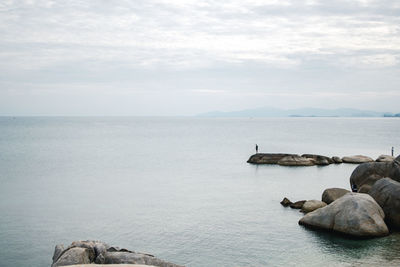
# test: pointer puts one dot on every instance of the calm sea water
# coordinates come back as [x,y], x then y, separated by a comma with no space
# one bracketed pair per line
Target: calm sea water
[180,188]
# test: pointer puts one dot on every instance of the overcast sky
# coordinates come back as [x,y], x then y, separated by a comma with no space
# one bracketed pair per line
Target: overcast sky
[160,57]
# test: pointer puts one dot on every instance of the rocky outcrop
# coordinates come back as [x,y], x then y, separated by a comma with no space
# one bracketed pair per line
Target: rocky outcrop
[331,194]
[85,252]
[295,160]
[267,158]
[311,205]
[386,193]
[298,204]
[319,159]
[365,175]
[357,159]
[286,202]
[384,158]
[337,160]
[353,214]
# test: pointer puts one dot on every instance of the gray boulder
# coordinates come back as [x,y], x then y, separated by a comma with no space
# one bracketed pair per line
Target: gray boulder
[353,214]
[298,204]
[398,158]
[357,159]
[312,205]
[130,257]
[266,158]
[296,160]
[384,158]
[368,173]
[386,193]
[318,159]
[337,160]
[74,255]
[331,194]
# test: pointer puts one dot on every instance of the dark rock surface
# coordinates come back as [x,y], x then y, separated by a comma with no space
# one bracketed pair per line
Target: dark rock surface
[331,194]
[357,159]
[386,193]
[85,252]
[296,160]
[298,204]
[353,214]
[286,202]
[267,158]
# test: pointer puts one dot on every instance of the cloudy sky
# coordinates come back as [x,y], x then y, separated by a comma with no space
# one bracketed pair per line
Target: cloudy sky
[183,57]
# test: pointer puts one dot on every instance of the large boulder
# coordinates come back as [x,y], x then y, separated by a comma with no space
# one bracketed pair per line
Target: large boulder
[357,159]
[266,158]
[296,160]
[311,205]
[331,194]
[384,158]
[386,193]
[365,175]
[85,252]
[318,159]
[353,214]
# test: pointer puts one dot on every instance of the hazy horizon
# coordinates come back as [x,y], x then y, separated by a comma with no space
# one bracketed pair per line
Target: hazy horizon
[159,57]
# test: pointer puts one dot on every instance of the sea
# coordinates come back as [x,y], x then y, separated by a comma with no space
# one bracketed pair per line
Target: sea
[180,188]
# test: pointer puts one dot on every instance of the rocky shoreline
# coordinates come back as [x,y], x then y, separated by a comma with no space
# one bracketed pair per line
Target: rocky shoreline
[373,210]
[284,159]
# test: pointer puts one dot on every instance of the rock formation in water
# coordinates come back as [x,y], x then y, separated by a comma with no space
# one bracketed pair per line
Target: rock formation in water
[331,194]
[386,193]
[357,159]
[353,214]
[90,252]
[286,202]
[384,158]
[311,205]
[298,204]
[267,158]
[319,159]
[296,160]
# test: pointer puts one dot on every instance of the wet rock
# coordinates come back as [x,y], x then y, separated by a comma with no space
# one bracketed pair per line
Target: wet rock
[331,194]
[298,204]
[266,158]
[386,193]
[286,202]
[353,214]
[312,205]
[357,159]
[296,160]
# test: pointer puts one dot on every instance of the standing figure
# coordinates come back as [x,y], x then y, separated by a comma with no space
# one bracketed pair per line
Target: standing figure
[256,149]
[392,151]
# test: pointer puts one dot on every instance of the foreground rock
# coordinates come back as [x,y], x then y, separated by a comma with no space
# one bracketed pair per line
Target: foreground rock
[319,159]
[311,205]
[296,160]
[365,175]
[384,158]
[267,158]
[358,159]
[353,214]
[86,252]
[386,193]
[331,194]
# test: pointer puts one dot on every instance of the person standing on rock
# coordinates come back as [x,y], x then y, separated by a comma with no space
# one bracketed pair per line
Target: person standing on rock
[256,149]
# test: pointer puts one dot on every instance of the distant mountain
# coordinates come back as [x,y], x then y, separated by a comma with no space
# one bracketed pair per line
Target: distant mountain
[300,112]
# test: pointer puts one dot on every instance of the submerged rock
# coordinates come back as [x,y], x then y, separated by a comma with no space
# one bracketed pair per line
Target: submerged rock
[311,205]
[85,252]
[331,194]
[298,204]
[266,158]
[286,202]
[384,158]
[353,214]
[296,160]
[386,193]
[357,159]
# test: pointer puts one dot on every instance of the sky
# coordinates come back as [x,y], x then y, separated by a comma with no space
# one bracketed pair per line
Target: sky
[159,57]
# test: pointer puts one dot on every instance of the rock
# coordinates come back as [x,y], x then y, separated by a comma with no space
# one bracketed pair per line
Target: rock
[384,158]
[312,205]
[386,193]
[82,252]
[357,159]
[353,214]
[298,204]
[365,188]
[318,159]
[337,160]
[295,160]
[74,255]
[266,158]
[286,202]
[331,194]
[369,173]
[398,158]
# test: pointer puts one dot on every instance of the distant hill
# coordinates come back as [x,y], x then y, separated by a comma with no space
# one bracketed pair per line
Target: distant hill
[300,112]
